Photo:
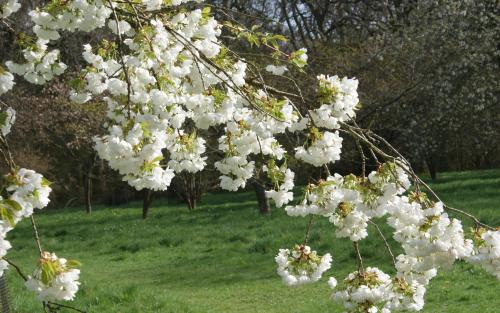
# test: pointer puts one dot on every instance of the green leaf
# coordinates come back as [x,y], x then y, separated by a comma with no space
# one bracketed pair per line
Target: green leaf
[8,209]
[73,264]
[48,272]
[279,37]
[145,130]
[206,11]
[46,182]
[7,216]
[13,204]
[255,27]
[252,40]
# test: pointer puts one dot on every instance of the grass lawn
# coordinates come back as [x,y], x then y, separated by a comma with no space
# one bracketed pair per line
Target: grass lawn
[220,257]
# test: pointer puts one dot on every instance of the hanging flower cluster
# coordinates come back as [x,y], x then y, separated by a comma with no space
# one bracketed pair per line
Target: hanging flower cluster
[349,202]
[41,65]
[26,190]
[428,236]
[338,99]
[321,148]
[55,278]
[301,265]
[374,291]
[486,251]
[282,180]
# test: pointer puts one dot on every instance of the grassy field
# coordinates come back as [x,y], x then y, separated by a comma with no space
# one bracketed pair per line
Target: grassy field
[220,257]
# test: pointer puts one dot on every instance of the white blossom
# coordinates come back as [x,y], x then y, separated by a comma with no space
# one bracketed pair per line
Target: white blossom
[7,118]
[486,251]
[276,70]
[301,265]
[60,284]
[9,7]
[6,81]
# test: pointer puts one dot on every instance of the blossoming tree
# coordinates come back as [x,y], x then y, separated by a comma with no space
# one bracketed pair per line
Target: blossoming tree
[166,78]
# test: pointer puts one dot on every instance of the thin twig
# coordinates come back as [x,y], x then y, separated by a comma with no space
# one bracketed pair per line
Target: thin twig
[308,230]
[446,207]
[363,159]
[35,234]
[385,242]
[58,306]
[368,137]
[18,269]
[361,268]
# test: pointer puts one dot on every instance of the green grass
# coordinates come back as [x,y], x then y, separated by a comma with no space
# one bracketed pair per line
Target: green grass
[220,257]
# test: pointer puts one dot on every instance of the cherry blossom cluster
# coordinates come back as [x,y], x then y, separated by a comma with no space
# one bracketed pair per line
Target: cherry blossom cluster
[54,279]
[161,88]
[429,238]
[147,110]
[321,148]
[301,265]
[338,99]
[186,153]
[41,65]
[282,179]
[27,190]
[78,15]
[350,202]
[374,291]
[486,251]
[252,133]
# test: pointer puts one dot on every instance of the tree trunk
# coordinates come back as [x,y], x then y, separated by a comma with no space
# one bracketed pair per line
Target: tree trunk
[263,201]
[87,185]
[191,202]
[189,188]
[146,202]
[431,165]
[192,190]
[87,190]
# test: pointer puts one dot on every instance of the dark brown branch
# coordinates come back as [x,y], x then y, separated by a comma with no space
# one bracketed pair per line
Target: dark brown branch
[18,269]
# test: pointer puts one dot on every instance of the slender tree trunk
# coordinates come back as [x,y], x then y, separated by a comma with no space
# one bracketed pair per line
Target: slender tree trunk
[87,189]
[191,189]
[103,181]
[263,201]
[191,202]
[432,166]
[146,202]
[87,186]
